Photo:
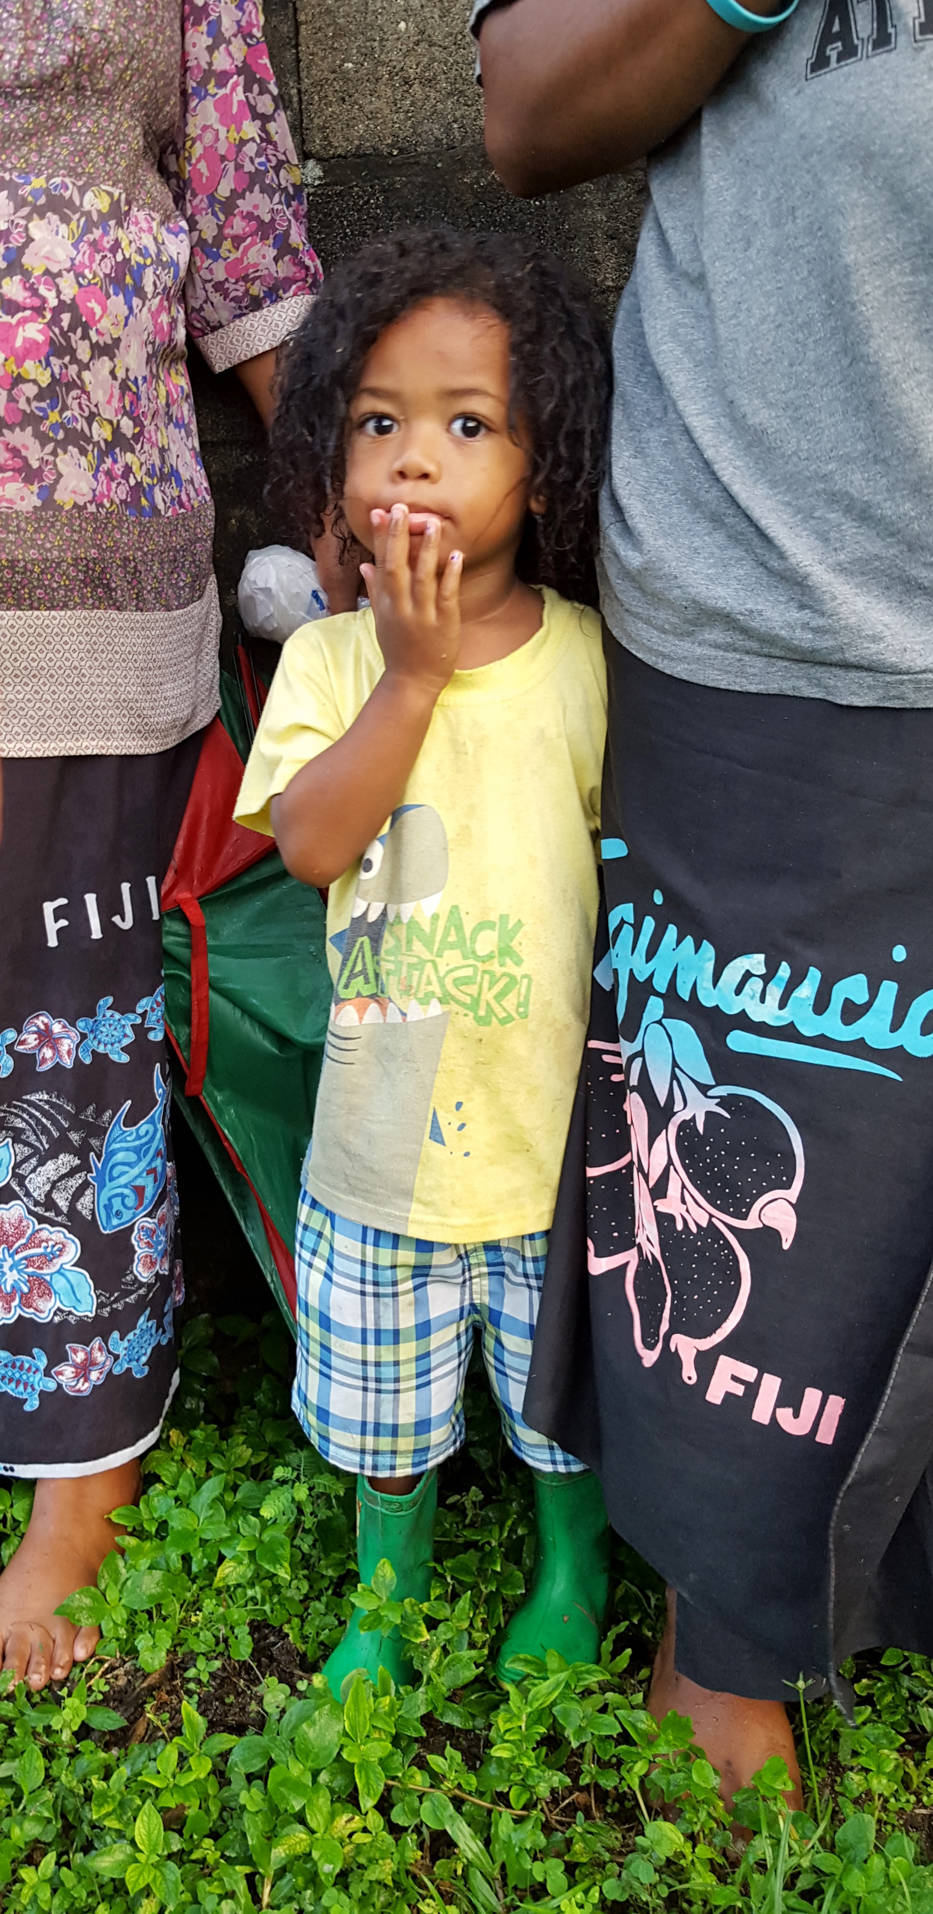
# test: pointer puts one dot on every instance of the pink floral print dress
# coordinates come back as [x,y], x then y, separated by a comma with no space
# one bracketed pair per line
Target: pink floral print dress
[149,191]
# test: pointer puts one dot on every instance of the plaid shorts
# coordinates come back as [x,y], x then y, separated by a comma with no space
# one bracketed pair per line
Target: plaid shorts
[385,1333]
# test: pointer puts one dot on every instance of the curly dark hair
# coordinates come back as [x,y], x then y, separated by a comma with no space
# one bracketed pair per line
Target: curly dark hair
[560,383]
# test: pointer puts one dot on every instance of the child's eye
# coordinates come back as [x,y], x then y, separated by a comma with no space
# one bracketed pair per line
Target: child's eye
[465,426]
[376,425]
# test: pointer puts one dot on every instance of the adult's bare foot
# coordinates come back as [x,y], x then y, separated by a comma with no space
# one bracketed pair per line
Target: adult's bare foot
[69,1535]
[736,1734]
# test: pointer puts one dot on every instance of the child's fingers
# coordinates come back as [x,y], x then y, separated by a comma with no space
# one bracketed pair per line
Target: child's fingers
[424,576]
[396,563]
[448,591]
[379,521]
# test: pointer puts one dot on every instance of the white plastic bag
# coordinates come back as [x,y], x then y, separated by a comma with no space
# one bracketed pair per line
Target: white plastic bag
[279,590]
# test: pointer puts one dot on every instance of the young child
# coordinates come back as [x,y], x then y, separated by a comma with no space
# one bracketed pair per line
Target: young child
[436,761]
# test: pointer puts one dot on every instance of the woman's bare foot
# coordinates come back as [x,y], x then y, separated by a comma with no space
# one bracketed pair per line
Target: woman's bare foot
[737,1735]
[69,1535]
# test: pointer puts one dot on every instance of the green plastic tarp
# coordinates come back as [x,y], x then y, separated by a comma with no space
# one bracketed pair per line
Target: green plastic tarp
[247,996]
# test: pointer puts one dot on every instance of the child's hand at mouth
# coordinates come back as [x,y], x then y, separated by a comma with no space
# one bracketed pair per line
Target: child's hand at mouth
[419,524]
[414,595]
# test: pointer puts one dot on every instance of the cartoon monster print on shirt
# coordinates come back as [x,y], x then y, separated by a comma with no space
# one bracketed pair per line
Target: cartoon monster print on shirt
[380,1036]
[403,870]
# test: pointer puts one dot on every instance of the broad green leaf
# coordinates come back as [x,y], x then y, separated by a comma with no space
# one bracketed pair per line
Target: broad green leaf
[457,1672]
[127,1516]
[543,1694]
[171,1885]
[384,1580]
[358,1709]
[296,1713]
[234,1569]
[148,1832]
[272,1553]
[318,1808]
[87,1608]
[143,1588]
[289,1842]
[856,1838]
[318,1740]
[250,1755]
[182,1521]
[289,1791]
[100,1717]
[370,1781]
[664,1838]
[30,1769]
[194,1727]
[206,1495]
[328,1855]
[113,1862]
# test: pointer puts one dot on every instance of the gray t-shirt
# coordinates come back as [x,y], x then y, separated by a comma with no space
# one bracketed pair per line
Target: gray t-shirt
[768,519]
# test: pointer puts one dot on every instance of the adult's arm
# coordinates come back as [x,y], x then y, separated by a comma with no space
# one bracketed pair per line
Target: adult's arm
[577,88]
[232,170]
[257,375]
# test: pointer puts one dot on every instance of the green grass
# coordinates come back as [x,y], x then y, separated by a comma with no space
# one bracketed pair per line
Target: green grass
[201,1763]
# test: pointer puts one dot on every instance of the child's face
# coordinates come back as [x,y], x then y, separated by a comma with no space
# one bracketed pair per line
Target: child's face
[429,428]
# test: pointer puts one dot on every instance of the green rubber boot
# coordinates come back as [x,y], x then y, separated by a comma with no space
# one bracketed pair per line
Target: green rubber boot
[397,1529]
[570,1591]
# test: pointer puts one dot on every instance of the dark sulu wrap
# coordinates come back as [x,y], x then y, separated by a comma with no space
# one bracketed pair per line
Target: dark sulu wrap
[737,1324]
[90,1274]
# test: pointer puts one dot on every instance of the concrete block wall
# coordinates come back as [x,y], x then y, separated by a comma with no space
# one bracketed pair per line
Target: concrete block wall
[387,121]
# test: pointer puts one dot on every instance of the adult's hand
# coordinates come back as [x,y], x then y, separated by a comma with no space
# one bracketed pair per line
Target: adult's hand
[577,88]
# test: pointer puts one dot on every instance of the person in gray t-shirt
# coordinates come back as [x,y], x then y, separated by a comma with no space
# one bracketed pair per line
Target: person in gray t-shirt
[766,568]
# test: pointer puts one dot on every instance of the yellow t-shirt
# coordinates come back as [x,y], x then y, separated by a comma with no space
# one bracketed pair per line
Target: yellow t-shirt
[461,943]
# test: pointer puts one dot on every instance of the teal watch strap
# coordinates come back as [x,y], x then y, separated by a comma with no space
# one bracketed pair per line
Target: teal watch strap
[736,16]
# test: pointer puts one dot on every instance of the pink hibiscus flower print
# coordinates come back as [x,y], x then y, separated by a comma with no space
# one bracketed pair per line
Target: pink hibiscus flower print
[49,1039]
[36,1269]
[24,339]
[151,1239]
[87,1365]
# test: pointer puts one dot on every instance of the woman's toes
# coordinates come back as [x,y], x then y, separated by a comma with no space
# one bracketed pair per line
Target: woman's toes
[28,1654]
[39,1665]
[16,1651]
[85,1643]
[63,1646]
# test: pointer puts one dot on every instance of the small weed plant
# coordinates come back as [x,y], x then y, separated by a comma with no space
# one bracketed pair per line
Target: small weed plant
[200,1762]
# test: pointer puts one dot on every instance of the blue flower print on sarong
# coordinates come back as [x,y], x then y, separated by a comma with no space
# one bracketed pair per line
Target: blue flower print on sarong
[6,1062]
[133,1351]
[24,1378]
[154,1010]
[108,1032]
[87,1365]
[50,1040]
[130,1171]
[7,1159]
[37,1269]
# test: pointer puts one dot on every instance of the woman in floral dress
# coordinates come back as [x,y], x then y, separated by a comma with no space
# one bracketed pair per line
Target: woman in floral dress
[148,189]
